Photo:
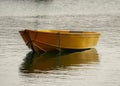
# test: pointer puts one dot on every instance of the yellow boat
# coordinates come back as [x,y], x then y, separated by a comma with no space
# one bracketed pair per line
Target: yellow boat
[48,40]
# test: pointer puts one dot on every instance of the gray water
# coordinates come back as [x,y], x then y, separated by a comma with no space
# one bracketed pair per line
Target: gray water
[94,67]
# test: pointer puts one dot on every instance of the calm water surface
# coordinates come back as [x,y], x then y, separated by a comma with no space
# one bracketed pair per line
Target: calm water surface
[94,67]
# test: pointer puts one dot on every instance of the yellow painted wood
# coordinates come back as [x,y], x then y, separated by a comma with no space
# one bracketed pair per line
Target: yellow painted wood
[47,40]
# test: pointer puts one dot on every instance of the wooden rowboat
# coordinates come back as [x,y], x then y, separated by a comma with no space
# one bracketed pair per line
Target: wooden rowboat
[48,40]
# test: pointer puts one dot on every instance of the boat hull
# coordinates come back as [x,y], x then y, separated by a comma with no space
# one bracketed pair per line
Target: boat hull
[48,40]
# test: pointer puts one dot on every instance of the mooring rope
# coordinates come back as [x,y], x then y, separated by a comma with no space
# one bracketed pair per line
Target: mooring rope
[59,48]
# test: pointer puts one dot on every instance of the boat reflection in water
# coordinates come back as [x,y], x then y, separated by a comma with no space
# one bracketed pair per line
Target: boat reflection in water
[34,63]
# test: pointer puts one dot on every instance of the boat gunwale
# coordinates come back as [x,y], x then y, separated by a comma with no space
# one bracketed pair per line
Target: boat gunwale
[66,32]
